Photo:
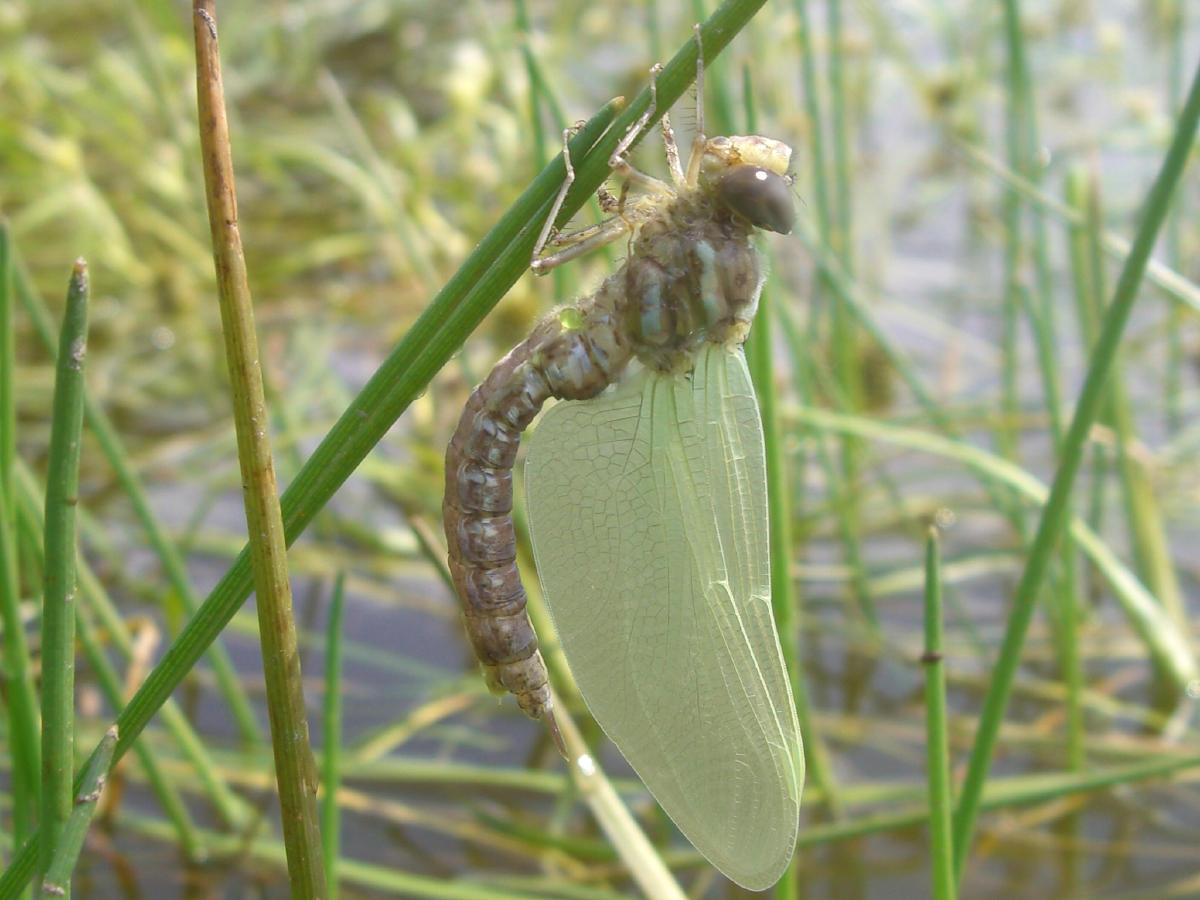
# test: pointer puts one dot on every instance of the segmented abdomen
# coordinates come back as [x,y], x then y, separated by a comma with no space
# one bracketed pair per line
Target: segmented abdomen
[553,361]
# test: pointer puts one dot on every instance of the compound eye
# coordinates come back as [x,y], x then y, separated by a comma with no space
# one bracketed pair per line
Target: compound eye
[760,196]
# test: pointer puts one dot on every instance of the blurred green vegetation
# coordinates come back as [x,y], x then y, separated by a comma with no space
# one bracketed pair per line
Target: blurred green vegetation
[377,142]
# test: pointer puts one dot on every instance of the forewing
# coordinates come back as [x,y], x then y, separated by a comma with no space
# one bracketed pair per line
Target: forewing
[648,513]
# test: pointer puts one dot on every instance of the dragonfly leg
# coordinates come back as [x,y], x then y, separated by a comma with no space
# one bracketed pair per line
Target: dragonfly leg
[587,239]
[548,226]
[635,130]
[672,149]
[583,241]
[621,166]
[626,216]
[648,183]
[700,140]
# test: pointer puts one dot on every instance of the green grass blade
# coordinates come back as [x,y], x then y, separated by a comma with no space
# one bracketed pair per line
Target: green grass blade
[937,753]
[105,433]
[233,809]
[59,595]
[16,671]
[1056,511]
[57,882]
[90,596]
[331,742]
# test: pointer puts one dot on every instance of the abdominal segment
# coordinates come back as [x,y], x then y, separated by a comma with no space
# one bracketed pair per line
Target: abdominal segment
[552,362]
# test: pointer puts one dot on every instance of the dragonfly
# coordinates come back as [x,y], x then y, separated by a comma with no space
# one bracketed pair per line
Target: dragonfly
[646,500]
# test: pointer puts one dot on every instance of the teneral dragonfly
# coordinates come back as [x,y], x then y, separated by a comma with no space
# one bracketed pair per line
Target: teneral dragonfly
[647,505]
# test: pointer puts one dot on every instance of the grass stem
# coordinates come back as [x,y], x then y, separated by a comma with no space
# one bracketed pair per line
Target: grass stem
[937,749]
[331,742]
[1057,509]
[294,766]
[60,592]
[16,672]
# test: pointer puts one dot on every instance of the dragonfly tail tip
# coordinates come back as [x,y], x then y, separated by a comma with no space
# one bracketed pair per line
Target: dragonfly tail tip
[552,724]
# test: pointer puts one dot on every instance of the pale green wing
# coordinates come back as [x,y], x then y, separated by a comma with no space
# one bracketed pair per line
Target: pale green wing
[648,512]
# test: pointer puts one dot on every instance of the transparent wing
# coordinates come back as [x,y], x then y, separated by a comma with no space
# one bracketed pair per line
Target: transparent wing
[648,513]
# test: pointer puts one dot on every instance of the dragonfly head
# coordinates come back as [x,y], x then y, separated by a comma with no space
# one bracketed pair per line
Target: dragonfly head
[748,174]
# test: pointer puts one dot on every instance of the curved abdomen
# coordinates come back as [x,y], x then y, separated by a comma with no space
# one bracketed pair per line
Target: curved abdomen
[552,362]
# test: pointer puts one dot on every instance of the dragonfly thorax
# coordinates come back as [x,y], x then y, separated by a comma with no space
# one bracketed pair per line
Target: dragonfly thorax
[693,276]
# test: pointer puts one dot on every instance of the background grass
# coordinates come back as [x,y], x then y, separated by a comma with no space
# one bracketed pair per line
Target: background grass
[938,308]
